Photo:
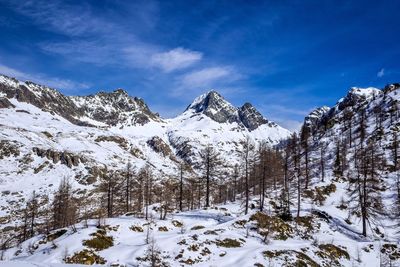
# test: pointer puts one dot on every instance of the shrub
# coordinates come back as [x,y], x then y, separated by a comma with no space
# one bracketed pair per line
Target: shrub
[55,235]
[86,257]
[197,227]
[99,241]
[136,228]
[275,226]
[228,243]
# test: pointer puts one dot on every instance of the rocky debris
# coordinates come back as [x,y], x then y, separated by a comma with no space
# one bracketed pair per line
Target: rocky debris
[159,146]
[41,167]
[8,149]
[122,142]
[64,157]
[5,103]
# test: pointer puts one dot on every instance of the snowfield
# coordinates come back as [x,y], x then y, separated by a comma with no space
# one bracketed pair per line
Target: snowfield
[196,237]
[40,145]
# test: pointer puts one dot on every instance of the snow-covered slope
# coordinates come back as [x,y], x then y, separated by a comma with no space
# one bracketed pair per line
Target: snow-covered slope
[46,136]
[220,236]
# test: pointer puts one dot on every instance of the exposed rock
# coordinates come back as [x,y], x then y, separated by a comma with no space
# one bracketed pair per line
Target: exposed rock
[122,142]
[115,107]
[8,149]
[251,117]
[159,146]
[5,103]
[214,106]
[183,148]
[110,108]
[65,158]
[391,88]
[43,97]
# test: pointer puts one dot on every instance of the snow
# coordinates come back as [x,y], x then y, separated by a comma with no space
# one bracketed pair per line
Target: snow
[29,127]
[128,244]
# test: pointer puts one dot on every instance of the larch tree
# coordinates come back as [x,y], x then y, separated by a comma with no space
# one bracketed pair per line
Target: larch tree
[246,155]
[209,161]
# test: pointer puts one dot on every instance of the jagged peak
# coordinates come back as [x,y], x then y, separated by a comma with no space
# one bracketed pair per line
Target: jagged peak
[31,85]
[202,102]
[364,92]
[318,112]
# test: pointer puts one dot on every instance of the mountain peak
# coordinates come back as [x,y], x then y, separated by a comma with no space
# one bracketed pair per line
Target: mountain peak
[214,106]
[251,117]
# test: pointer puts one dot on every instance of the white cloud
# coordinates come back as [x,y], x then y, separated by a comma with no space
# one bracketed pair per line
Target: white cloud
[175,59]
[195,82]
[206,77]
[37,78]
[381,73]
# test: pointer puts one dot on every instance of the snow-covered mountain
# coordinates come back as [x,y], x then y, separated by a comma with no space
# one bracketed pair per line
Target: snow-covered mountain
[46,136]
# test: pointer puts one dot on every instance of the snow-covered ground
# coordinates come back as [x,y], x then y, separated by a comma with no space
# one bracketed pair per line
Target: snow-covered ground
[196,237]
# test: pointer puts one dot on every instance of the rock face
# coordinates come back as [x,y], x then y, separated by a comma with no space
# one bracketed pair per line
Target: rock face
[159,146]
[115,108]
[358,96]
[314,119]
[43,97]
[251,117]
[66,158]
[214,106]
[5,103]
[108,108]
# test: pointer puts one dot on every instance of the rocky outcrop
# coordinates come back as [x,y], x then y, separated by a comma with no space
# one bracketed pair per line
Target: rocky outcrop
[183,148]
[5,103]
[214,106]
[159,146]
[115,108]
[112,108]
[43,97]
[64,157]
[8,149]
[251,117]
[391,88]
[122,142]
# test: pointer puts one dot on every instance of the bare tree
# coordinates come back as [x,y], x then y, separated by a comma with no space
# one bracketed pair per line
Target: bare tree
[304,140]
[64,208]
[246,154]
[210,160]
[366,186]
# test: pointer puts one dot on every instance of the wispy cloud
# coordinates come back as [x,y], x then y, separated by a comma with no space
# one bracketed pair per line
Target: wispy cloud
[204,79]
[63,18]
[381,73]
[178,58]
[54,82]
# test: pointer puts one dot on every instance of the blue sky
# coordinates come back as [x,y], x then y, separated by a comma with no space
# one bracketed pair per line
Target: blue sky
[285,57]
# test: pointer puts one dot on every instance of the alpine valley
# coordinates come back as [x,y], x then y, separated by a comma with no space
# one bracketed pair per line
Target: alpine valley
[102,179]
